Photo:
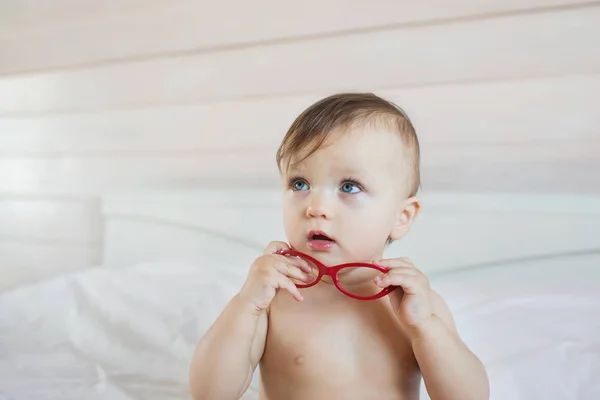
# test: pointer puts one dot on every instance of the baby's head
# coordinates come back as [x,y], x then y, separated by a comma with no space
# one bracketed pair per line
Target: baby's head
[350,168]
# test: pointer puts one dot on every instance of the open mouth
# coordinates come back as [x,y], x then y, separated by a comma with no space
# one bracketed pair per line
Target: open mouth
[318,235]
[321,237]
[319,241]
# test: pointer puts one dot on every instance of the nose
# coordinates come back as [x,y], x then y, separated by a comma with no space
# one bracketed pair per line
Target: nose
[318,207]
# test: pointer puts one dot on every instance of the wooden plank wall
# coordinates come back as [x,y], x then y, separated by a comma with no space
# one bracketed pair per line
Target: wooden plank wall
[96,97]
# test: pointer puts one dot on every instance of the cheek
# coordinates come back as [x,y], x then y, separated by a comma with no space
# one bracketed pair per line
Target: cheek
[365,218]
[291,217]
[288,214]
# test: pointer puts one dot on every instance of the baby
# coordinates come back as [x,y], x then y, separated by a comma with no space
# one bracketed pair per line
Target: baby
[350,170]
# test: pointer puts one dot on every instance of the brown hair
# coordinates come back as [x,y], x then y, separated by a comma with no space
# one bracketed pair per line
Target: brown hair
[344,110]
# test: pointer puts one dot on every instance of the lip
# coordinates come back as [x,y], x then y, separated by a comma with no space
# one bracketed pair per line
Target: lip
[319,244]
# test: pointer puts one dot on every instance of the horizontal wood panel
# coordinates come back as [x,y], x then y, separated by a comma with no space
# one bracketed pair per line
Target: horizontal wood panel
[551,177]
[23,262]
[75,222]
[97,175]
[31,15]
[485,168]
[59,32]
[545,44]
[576,151]
[506,112]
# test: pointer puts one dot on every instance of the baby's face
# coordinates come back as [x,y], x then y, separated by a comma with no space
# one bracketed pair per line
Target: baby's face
[351,191]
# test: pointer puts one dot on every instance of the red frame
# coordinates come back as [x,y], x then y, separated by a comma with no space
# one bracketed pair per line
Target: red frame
[333,273]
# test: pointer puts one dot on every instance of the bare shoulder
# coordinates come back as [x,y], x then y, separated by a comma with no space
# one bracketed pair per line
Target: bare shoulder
[441,309]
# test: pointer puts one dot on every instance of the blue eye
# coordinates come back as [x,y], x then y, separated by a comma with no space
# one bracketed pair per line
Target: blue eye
[350,188]
[299,185]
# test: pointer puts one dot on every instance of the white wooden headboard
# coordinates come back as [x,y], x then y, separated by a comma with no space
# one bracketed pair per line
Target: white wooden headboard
[199,104]
[230,228]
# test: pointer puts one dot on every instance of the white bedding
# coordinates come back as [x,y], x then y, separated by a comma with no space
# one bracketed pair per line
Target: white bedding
[130,333]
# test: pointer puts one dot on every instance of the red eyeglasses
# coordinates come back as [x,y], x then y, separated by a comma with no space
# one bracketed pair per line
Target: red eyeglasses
[353,279]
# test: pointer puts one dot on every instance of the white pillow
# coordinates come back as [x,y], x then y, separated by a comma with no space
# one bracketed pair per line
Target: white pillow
[110,333]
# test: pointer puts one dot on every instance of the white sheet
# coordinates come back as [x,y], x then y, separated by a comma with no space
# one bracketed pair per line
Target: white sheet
[129,334]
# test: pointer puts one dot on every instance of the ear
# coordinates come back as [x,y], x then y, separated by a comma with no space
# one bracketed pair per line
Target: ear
[407,213]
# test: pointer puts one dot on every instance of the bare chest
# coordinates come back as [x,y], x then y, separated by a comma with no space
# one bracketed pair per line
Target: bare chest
[338,343]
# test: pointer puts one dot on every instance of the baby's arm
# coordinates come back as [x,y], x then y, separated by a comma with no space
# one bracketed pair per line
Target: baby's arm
[229,352]
[450,370]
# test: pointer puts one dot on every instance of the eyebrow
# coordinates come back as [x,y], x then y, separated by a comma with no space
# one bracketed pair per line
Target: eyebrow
[352,171]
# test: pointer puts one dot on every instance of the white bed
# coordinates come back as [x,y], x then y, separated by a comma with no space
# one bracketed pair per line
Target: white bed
[521,274]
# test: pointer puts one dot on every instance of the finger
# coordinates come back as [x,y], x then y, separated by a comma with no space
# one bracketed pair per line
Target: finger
[409,283]
[395,262]
[298,262]
[402,270]
[274,247]
[286,284]
[292,271]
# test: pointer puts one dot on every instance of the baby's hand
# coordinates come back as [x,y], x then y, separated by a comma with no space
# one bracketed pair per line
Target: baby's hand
[412,304]
[271,272]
